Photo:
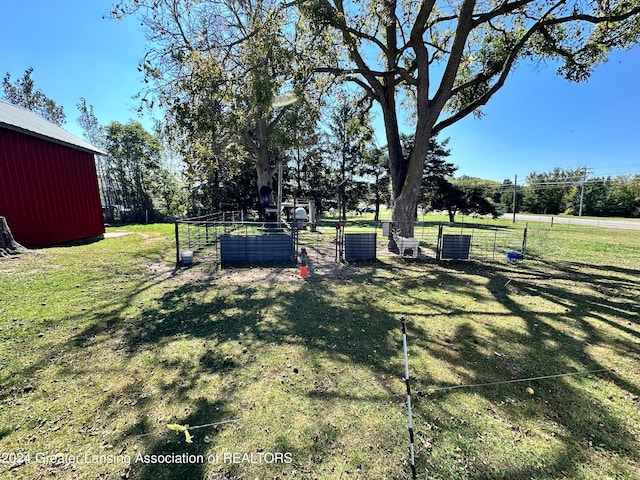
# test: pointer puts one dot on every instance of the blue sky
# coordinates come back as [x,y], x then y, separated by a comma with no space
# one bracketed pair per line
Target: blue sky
[538,121]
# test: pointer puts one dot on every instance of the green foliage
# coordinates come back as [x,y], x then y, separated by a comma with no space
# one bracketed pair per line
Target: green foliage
[549,192]
[376,171]
[24,94]
[440,191]
[351,134]
[221,69]
[607,197]
[454,199]
[322,14]
[563,190]
[446,61]
[134,163]
[504,196]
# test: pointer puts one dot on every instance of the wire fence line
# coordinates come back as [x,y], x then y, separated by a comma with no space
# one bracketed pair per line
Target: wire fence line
[216,237]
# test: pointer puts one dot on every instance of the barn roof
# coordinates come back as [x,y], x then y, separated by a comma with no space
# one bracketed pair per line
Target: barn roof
[22,120]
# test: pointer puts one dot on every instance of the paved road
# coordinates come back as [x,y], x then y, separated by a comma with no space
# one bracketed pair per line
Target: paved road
[631,225]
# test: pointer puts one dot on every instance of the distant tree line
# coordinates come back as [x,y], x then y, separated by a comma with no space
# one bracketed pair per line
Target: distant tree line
[562,191]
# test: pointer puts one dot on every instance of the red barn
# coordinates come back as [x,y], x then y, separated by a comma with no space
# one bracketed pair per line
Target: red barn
[48,184]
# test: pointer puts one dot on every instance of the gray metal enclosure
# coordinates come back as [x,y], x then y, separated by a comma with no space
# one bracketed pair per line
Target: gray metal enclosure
[360,246]
[256,248]
[455,247]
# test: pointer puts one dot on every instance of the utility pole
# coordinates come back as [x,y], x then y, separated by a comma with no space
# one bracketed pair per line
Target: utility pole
[584,179]
[515,190]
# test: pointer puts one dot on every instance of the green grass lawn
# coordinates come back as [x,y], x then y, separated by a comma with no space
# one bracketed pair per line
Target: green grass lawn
[103,345]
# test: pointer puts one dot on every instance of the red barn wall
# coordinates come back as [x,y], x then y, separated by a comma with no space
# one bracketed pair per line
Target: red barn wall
[48,192]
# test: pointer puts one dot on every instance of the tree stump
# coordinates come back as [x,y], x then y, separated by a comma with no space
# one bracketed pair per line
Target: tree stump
[8,245]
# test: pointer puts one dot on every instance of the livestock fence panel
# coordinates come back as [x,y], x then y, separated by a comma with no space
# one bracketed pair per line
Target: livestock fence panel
[331,240]
[480,242]
[232,241]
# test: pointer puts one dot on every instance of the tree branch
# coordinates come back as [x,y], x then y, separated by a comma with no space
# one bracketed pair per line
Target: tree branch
[358,81]
[543,22]
[274,122]
[405,75]
[420,23]
[176,18]
[364,36]
[363,69]
[506,7]
[477,80]
[465,25]
[592,18]
[350,71]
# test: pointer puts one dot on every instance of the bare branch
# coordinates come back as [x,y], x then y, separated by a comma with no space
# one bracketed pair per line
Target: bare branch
[465,24]
[503,9]
[364,36]
[177,18]
[271,126]
[369,91]
[477,80]
[405,75]
[592,18]
[437,20]
[420,23]
[363,69]
[538,27]
[351,71]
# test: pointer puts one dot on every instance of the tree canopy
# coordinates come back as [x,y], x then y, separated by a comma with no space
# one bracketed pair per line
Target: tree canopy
[228,74]
[444,61]
[223,68]
[24,94]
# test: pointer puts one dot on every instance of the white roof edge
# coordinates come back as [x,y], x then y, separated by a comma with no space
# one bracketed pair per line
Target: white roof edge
[14,117]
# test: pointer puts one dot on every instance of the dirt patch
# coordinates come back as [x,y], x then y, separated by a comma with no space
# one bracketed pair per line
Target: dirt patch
[321,265]
[116,234]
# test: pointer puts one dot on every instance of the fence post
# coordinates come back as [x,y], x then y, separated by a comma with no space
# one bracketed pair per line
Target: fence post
[407,379]
[524,239]
[177,230]
[439,243]
[294,241]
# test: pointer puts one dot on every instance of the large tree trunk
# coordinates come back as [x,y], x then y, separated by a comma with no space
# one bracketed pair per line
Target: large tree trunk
[8,245]
[406,175]
[256,141]
[265,182]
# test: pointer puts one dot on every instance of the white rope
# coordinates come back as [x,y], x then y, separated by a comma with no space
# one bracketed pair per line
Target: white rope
[195,427]
[529,379]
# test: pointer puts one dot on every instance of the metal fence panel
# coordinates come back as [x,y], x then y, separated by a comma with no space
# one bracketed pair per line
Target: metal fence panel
[455,247]
[256,248]
[360,246]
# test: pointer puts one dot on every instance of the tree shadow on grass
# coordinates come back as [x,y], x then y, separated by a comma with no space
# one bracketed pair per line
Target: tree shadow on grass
[4,432]
[557,338]
[106,319]
[356,330]
[316,316]
[307,314]
[167,455]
